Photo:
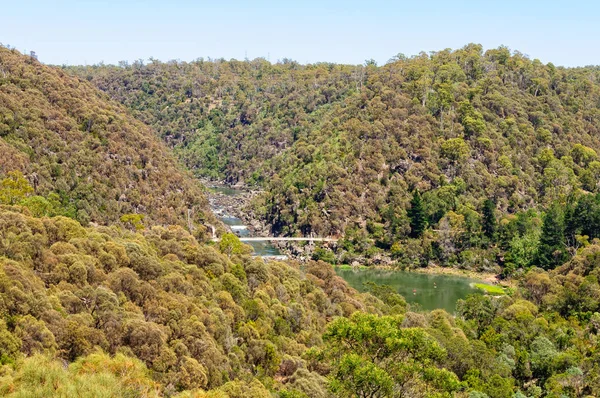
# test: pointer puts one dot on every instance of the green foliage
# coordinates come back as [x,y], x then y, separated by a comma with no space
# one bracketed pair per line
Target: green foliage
[388,295]
[241,389]
[10,345]
[455,149]
[326,144]
[194,317]
[583,155]
[552,248]
[84,156]
[471,119]
[522,249]
[167,309]
[230,244]
[102,311]
[543,354]
[324,254]
[134,220]
[40,206]
[418,218]
[375,356]
[489,223]
[14,188]
[357,376]
[96,375]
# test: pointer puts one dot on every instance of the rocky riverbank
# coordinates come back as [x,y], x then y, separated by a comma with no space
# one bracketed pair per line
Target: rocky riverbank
[227,201]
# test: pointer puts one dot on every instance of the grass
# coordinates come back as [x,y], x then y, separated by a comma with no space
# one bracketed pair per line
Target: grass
[348,266]
[490,289]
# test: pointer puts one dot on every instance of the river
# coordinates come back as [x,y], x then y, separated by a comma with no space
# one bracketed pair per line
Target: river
[427,291]
[262,248]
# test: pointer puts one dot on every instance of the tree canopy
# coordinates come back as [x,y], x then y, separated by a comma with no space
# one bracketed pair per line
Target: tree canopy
[62,139]
[339,149]
[109,287]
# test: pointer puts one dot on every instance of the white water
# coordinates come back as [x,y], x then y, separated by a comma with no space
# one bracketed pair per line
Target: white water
[262,248]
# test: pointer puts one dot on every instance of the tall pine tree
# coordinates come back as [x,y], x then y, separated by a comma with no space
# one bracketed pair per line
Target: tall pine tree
[552,249]
[417,215]
[489,218]
[587,216]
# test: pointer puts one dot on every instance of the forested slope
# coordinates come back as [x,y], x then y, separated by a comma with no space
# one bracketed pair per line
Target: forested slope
[343,149]
[83,153]
[150,310]
[195,317]
[156,313]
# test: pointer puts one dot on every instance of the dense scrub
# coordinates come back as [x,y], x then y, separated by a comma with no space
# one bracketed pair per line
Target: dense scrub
[341,150]
[197,318]
[155,312]
[76,146]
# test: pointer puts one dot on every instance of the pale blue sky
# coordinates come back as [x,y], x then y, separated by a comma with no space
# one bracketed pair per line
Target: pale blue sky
[77,32]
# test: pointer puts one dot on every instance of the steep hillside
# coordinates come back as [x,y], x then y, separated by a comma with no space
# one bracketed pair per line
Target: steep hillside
[157,313]
[84,153]
[91,310]
[197,318]
[343,149]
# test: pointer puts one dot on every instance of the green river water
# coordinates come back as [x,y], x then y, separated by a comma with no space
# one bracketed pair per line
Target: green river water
[429,292]
[261,248]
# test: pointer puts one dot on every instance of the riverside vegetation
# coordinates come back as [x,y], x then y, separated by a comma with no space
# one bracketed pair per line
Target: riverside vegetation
[109,285]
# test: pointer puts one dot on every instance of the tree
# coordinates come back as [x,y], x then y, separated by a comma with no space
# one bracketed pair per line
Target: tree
[417,215]
[542,354]
[96,375]
[489,223]
[583,155]
[522,249]
[136,221]
[39,206]
[14,188]
[586,217]
[552,251]
[471,119]
[373,356]
[231,245]
[10,345]
[455,149]
[360,376]
[572,221]
[387,294]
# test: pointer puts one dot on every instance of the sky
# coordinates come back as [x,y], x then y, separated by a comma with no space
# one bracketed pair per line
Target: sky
[88,32]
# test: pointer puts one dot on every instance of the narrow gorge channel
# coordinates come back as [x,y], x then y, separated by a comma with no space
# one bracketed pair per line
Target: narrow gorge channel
[227,204]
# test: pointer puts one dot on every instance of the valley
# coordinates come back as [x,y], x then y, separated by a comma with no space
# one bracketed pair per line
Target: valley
[229,205]
[429,227]
[485,141]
